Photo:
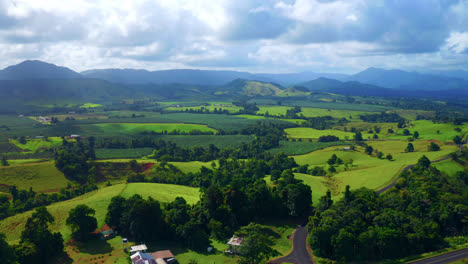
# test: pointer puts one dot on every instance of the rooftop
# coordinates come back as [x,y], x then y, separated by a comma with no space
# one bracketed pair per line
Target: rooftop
[235,241]
[164,254]
[138,248]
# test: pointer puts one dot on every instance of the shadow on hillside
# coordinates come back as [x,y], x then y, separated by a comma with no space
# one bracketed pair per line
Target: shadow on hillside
[96,246]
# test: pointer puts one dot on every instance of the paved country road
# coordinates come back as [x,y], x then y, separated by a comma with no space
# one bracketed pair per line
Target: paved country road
[299,255]
[445,258]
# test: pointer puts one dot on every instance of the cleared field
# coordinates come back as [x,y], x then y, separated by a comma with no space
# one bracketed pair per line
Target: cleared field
[317,185]
[98,200]
[412,114]
[192,166]
[449,167]
[306,132]
[221,142]
[365,127]
[428,130]
[368,171]
[315,112]
[41,177]
[302,147]
[122,153]
[138,128]
[90,105]
[273,110]
[35,144]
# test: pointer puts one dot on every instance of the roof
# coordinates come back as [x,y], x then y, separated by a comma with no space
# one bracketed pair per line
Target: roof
[160,261]
[164,254]
[235,241]
[142,258]
[138,248]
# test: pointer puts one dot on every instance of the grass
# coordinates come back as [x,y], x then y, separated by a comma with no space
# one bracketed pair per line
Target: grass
[428,130]
[219,106]
[98,200]
[448,166]
[90,105]
[315,112]
[306,132]
[273,110]
[302,147]
[33,145]
[122,153]
[41,177]
[138,128]
[192,166]
[316,183]
[221,142]
[368,171]
[412,114]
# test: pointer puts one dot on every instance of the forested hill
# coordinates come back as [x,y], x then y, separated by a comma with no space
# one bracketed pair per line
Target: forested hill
[37,70]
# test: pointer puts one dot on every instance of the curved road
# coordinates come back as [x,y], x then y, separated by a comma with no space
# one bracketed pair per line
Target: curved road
[445,258]
[299,255]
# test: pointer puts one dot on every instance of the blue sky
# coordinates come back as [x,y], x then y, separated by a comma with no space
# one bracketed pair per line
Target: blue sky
[257,36]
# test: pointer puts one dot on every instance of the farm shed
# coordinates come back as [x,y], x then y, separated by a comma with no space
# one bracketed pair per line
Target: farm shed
[142,258]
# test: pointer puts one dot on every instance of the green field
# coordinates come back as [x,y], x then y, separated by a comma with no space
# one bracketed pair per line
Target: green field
[448,166]
[368,171]
[428,130]
[302,147]
[41,177]
[33,145]
[98,200]
[192,166]
[122,153]
[306,132]
[90,105]
[221,142]
[211,107]
[412,114]
[273,110]
[316,183]
[138,128]
[315,112]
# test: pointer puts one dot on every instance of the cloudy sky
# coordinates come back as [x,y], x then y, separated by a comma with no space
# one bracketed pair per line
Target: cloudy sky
[257,35]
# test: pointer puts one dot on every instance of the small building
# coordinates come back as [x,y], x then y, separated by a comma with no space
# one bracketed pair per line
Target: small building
[138,248]
[107,234]
[346,148]
[164,255]
[74,136]
[234,244]
[143,258]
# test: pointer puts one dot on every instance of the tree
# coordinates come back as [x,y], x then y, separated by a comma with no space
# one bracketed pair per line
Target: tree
[406,132]
[415,134]
[424,162]
[390,131]
[380,155]
[256,246]
[4,161]
[115,211]
[409,148]
[332,160]
[275,175]
[389,156]
[82,222]
[457,140]
[369,150]
[358,136]
[331,169]
[36,232]
[433,147]
[6,251]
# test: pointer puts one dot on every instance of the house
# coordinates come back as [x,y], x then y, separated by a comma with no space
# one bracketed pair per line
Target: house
[164,255]
[138,248]
[346,148]
[74,136]
[107,234]
[234,244]
[143,258]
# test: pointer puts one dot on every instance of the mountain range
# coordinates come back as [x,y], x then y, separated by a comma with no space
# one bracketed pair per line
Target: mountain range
[31,79]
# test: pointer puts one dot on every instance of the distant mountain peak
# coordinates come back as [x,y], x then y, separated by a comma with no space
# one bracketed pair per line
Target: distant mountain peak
[36,69]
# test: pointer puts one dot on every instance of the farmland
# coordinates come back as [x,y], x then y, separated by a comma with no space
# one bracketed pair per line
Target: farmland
[138,128]
[305,132]
[122,153]
[98,200]
[33,145]
[435,131]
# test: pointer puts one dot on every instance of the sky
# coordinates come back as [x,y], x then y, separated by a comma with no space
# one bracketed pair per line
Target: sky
[257,36]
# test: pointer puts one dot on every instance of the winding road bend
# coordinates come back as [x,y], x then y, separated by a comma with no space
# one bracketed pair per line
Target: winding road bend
[299,254]
[445,258]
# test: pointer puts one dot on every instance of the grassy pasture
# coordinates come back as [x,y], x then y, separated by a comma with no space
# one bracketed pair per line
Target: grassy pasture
[122,153]
[412,114]
[302,147]
[192,166]
[306,132]
[448,166]
[41,177]
[35,144]
[224,141]
[316,183]
[219,106]
[365,126]
[98,200]
[428,130]
[315,112]
[137,128]
[90,105]
[369,171]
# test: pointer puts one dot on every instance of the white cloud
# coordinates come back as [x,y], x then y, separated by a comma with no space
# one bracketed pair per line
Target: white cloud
[457,42]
